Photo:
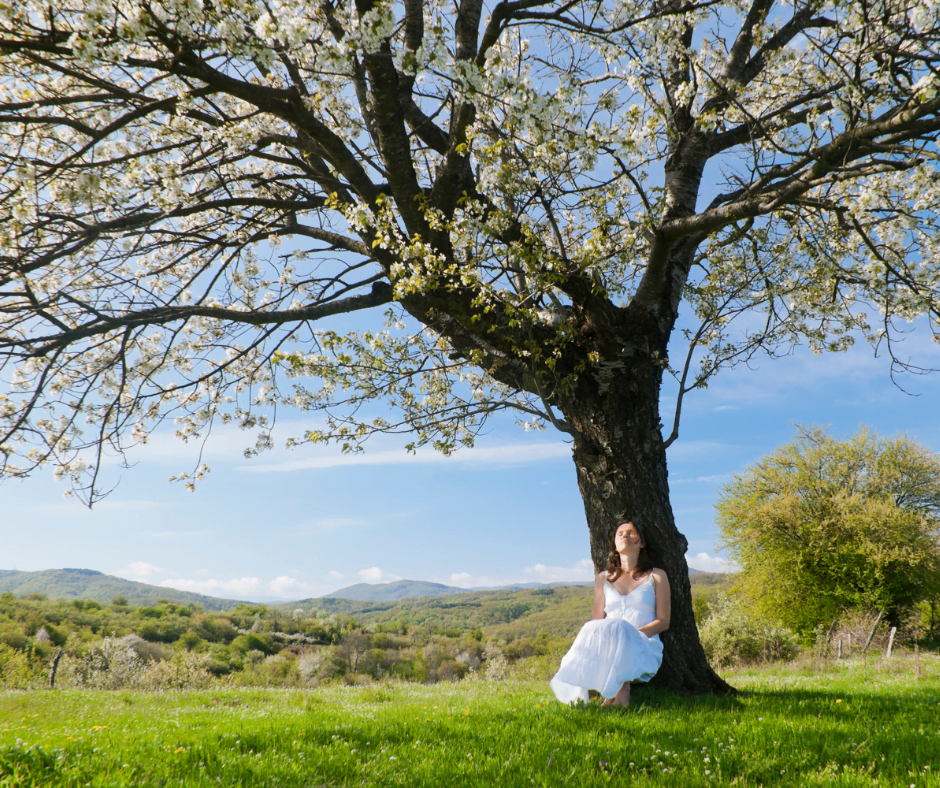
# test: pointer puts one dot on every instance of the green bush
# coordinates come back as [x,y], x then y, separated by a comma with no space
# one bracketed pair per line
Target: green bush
[252,642]
[15,640]
[731,635]
[20,669]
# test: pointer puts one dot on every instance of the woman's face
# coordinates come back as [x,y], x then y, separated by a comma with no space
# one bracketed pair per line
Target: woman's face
[627,539]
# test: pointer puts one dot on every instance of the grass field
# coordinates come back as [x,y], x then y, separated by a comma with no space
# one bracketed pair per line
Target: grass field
[857,723]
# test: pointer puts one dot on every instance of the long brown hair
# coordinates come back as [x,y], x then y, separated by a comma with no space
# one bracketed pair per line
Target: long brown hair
[644,564]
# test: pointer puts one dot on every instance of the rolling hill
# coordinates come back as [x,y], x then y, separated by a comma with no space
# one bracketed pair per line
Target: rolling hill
[557,610]
[413,589]
[89,584]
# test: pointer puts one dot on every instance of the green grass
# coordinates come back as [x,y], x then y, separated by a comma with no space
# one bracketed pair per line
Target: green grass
[854,724]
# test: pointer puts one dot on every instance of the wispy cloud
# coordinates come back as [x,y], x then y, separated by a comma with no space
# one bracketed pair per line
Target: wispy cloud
[511,454]
[249,588]
[717,477]
[290,588]
[138,570]
[463,580]
[580,571]
[242,587]
[693,449]
[710,563]
[375,575]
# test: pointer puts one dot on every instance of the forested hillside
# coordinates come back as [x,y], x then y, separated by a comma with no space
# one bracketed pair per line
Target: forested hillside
[424,639]
[557,611]
[89,584]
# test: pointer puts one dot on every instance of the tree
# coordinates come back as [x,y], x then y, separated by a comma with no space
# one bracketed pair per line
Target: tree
[193,190]
[822,526]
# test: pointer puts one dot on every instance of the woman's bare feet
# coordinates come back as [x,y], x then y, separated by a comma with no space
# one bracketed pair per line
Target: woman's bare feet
[622,698]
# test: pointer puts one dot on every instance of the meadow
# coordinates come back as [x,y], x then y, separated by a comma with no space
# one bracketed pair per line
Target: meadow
[858,722]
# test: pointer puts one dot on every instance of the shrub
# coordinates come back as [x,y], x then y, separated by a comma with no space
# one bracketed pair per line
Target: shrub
[184,671]
[311,663]
[497,666]
[112,665]
[18,670]
[254,657]
[145,649]
[731,635]
[190,641]
[15,640]
[253,642]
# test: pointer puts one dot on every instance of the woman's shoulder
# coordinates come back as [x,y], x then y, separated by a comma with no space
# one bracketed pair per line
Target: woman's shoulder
[659,574]
[600,577]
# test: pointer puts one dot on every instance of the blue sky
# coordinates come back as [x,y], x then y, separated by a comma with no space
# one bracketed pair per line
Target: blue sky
[293,524]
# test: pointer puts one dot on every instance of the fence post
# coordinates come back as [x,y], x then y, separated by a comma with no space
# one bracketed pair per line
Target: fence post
[839,652]
[872,633]
[54,668]
[891,641]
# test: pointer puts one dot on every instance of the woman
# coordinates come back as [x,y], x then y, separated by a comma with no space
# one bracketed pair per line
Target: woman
[621,643]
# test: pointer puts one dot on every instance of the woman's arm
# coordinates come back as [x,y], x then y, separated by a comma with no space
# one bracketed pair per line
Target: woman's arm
[599,601]
[663,605]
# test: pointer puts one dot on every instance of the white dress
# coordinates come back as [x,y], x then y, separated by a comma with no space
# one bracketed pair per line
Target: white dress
[610,651]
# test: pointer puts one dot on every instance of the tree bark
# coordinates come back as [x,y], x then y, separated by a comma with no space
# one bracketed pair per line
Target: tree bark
[622,475]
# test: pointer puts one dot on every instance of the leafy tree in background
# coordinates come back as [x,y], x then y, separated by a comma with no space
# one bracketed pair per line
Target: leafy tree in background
[191,191]
[822,526]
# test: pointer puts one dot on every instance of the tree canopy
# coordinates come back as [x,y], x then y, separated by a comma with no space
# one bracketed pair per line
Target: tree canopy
[189,186]
[823,526]
[194,191]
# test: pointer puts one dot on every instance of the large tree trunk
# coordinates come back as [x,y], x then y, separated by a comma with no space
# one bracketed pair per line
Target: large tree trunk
[621,467]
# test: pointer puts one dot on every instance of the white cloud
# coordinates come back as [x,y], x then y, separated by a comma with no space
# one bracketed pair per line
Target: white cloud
[710,563]
[334,575]
[511,454]
[289,588]
[242,587]
[375,575]
[138,569]
[717,477]
[462,580]
[694,449]
[581,571]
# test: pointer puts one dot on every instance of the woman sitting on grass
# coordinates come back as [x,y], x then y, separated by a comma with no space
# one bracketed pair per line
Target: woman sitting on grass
[621,643]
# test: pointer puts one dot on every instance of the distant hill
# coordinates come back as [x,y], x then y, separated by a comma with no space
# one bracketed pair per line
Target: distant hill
[89,584]
[413,589]
[507,613]
[388,592]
